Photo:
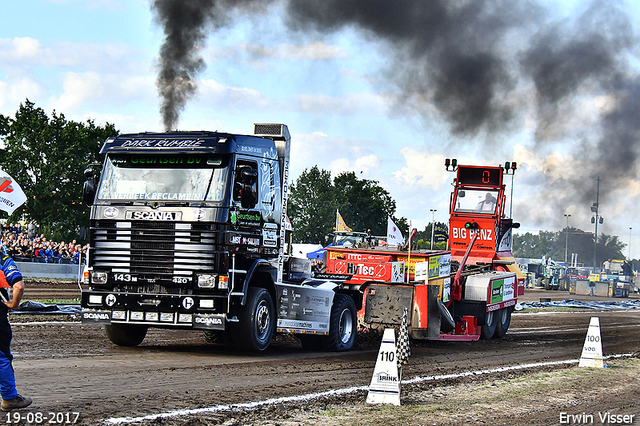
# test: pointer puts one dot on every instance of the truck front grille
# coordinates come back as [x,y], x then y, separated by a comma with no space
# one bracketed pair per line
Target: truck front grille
[159,250]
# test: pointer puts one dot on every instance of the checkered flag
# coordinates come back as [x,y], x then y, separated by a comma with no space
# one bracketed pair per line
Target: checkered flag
[403,348]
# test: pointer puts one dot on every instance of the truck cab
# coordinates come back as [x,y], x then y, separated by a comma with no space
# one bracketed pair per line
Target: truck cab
[188,231]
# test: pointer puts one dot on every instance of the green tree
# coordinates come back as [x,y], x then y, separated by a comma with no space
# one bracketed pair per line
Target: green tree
[364,204]
[312,206]
[552,245]
[609,247]
[423,238]
[532,245]
[47,157]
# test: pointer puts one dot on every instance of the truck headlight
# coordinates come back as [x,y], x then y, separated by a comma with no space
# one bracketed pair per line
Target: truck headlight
[98,277]
[206,281]
[95,299]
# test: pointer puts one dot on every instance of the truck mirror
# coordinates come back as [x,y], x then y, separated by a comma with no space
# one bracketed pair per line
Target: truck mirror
[249,175]
[249,196]
[244,187]
[88,172]
[89,191]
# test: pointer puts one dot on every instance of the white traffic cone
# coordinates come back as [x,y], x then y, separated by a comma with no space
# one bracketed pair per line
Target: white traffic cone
[385,383]
[592,349]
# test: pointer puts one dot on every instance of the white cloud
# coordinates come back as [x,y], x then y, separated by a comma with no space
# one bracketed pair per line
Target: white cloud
[423,169]
[312,51]
[79,88]
[24,52]
[339,165]
[14,91]
[368,162]
[213,93]
[335,154]
[347,104]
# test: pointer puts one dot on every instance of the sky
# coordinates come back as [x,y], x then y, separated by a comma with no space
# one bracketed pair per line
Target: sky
[385,89]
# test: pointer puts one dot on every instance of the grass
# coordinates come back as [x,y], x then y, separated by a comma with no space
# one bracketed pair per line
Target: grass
[470,402]
[75,301]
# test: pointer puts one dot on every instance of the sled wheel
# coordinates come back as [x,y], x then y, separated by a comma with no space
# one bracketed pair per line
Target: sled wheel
[502,322]
[447,323]
[342,325]
[125,334]
[489,327]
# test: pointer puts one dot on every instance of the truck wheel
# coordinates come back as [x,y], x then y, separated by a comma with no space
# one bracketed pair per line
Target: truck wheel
[256,321]
[489,327]
[502,323]
[342,325]
[125,334]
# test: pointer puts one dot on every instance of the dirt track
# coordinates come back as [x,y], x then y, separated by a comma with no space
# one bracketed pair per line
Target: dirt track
[70,367]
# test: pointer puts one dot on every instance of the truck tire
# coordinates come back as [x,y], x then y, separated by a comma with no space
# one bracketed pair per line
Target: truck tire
[256,323]
[502,323]
[488,329]
[125,334]
[343,325]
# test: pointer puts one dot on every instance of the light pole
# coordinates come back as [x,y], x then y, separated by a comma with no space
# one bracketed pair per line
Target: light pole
[566,240]
[433,224]
[629,255]
[595,208]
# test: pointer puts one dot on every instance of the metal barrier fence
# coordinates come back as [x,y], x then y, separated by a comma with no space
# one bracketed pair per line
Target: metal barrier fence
[50,270]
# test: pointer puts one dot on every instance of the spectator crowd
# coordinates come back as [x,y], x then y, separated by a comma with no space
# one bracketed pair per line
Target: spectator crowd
[24,245]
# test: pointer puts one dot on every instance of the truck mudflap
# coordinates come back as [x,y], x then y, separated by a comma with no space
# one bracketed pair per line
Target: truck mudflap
[305,308]
[197,321]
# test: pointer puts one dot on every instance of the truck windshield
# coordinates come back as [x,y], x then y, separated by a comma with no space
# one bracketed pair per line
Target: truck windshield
[476,201]
[175,177]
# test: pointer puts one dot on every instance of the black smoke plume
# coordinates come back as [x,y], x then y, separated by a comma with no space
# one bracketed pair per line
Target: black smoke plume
[475,63]
[185,26]
[440,53]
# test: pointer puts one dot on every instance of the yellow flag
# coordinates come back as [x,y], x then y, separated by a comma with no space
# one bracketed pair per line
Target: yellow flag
[340,225]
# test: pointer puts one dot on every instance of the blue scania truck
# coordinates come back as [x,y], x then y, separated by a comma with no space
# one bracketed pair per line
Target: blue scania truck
[188,231]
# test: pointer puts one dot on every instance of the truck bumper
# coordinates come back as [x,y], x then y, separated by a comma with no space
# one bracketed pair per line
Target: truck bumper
[168,311]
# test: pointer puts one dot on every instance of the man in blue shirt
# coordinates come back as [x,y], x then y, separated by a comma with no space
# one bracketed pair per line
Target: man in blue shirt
[10,277]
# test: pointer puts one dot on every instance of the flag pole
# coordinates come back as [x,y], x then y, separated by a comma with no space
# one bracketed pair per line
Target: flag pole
[409,257]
